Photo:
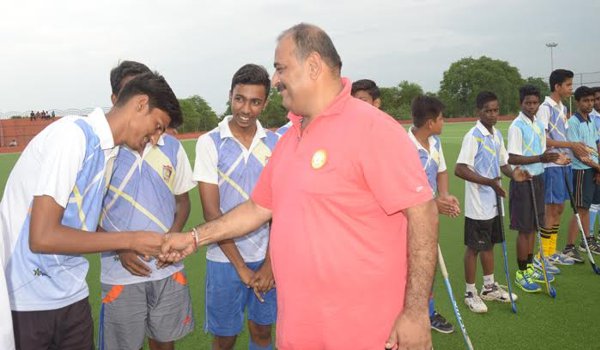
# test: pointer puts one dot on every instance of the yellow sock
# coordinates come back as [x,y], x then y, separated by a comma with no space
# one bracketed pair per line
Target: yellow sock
[546,240]
[554,239]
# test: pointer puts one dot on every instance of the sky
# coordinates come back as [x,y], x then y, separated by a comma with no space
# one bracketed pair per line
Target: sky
[58,54]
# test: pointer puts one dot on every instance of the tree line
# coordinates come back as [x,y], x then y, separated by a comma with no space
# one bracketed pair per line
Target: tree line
[460,84]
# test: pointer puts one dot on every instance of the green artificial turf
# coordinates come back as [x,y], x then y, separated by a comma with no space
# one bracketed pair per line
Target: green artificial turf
[567,322]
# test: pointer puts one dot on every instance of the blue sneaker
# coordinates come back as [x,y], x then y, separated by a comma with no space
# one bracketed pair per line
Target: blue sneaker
[537,264]
[559,258]
[538,276]
[524,281]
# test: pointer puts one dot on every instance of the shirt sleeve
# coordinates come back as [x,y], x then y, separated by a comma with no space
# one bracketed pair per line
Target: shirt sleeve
[503,156]
[61,157]
[543,115]
[263,190]
[396,177]
[183,174]
[442,166]
[515,141]
[468,150]
[206,165]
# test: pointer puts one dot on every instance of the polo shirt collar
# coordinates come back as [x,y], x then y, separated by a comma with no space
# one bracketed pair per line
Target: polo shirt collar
[335,107]
[483,129]
[580,118]
[225,131]
[97,119]
[526,118]
[558,105]
[411,136]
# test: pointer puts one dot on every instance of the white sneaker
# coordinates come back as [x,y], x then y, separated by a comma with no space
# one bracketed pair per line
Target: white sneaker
[559,258]
[474,302]
[496,293]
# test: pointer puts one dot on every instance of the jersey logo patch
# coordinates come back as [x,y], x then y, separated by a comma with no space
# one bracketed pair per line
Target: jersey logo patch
[319,159]
[167,172]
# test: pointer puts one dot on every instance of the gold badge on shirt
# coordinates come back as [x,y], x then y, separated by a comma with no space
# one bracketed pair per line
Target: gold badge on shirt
[318,159]
[167,171]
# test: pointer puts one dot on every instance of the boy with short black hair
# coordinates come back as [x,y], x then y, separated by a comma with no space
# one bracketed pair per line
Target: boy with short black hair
[229,161]
[52,201]
[527,148]
[148,190]
[553,115]
[368,91]
[428,122]
[482,157]
[585,170]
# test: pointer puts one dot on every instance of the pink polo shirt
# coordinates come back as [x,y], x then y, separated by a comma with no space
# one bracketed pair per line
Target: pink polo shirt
[338,241]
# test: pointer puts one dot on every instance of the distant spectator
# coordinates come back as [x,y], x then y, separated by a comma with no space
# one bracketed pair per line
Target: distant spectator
[32,116]
[53,115]
[13,143]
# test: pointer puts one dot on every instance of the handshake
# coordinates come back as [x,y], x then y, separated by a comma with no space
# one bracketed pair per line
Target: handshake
[168,248]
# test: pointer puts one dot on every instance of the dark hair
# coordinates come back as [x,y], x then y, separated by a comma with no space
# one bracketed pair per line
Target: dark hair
[528,90]
[366,85]
[252,74]
[309,38]
[425,107]
[159,95]
[485,97]
[583,91]
[559,76]
[123,70]
[595,89]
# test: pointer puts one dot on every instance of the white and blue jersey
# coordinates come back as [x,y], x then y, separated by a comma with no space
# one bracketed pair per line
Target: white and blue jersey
[283,129]
[527,138]
[222,160]
[582,130]
[432,159]
[66,161]
[553,116]
[484,153]
[595,117]
[141,197]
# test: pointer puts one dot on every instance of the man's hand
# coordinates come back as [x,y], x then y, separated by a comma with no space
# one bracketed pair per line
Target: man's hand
[263,280]
[146,244]
[410,331]
[448,205]
[176,246]
[580,150]
[562,159]
[496,185]
[133,263]
[549,157]
[520,175]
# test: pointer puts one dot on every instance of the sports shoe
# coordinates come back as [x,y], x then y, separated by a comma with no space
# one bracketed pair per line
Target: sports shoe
[537,264]
[440,324]
[592,243]
[495,292]
[474,302]
[538,275]
[524,281]
[572,253]
[559,258]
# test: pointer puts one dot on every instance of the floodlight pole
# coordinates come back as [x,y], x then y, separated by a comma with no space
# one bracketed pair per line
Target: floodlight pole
[551,45]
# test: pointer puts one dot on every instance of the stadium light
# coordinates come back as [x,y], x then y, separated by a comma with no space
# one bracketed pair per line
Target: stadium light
[551,45]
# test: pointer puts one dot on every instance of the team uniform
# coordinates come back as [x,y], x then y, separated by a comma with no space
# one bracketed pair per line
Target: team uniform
[222,160]
[527,138]
[141,197]
[48,292]
[483,153]
[585,190]
[433,162]
[282,129]
[336,221]
[7,340]
[553,116]
[595,207]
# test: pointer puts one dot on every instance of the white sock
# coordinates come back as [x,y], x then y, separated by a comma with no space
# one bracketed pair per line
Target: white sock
[488,280]
[471,288]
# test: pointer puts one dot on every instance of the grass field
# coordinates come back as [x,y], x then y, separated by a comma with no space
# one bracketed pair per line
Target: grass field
[567,322]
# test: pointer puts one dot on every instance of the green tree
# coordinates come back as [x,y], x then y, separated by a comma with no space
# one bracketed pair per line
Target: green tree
[396,100]
[197,115]
[274,115]
[469,76]
[539,83]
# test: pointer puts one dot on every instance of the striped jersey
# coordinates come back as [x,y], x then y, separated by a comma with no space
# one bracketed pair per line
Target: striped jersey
[553,116]
[432,159]
[222,160]
[526,138]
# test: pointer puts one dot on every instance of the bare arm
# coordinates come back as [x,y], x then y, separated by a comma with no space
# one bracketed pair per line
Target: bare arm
[182,212]
[446,203]
[463,172]
[412,329]
[48,235]
[210,198]
[243,219]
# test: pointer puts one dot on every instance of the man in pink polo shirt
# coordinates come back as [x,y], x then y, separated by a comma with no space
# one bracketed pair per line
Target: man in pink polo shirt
[353,239]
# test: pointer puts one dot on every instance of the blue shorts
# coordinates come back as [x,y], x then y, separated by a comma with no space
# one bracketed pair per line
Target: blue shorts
[554,181]
[227,298]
